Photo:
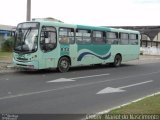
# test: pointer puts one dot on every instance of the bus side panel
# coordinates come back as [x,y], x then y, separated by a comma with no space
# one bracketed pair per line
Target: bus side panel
[49,59]
[73,54]
[84,58]
[101,54]
[93,54]
[69,50]
[128,52]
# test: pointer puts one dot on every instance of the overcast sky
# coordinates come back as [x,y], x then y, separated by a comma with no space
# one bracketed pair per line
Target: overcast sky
[87,12]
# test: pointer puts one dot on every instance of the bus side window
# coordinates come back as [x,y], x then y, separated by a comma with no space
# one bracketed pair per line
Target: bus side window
[112,38]
[133,39]
[66,35]
[124,37]
[99,37]
[83,36]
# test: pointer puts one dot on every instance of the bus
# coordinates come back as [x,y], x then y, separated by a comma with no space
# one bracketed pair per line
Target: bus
[44,44]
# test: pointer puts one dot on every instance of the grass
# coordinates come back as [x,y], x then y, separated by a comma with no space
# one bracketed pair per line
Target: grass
[5,56]
[149,105]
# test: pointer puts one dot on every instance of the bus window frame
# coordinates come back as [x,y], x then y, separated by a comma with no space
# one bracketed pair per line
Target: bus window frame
[104,40]
[67,35]
[46,51]
[83,37]
[137,38]
[123,39]
[116,39]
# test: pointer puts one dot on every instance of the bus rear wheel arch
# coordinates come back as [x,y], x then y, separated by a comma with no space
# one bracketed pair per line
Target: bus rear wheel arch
[117,60]
[64,64]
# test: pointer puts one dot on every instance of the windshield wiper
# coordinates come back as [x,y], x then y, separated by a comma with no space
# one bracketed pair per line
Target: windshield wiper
[25,36]
[27,32]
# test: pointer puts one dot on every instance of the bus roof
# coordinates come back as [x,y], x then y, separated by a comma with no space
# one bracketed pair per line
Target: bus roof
[93,28]
[61,24]
[124,30]
[55,23]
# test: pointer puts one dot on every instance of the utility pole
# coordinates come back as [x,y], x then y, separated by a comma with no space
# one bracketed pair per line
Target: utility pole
[28,17]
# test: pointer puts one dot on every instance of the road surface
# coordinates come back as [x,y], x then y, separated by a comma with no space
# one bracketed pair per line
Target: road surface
[82,90]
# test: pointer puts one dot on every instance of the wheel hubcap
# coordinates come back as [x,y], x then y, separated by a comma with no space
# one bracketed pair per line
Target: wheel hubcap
[64,64]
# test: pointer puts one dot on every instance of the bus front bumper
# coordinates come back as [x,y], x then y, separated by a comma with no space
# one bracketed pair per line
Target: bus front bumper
[26,64]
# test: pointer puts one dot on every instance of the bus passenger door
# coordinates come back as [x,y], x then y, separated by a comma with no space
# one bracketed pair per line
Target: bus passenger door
[48,45]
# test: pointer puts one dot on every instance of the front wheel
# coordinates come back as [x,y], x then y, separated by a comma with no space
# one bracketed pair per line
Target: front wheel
[63,64]
[117,61]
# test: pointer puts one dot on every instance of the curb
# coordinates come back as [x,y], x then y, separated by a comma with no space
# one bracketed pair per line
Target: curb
[8,68]
[107,111]
[5,62]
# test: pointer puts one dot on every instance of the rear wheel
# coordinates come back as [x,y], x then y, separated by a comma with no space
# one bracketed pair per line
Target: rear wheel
[63,64]
[117,61]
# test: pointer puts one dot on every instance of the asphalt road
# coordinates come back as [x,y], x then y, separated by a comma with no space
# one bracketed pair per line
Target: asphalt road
[83,90]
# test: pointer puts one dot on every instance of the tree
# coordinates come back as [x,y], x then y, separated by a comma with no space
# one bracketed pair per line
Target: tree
[7,45]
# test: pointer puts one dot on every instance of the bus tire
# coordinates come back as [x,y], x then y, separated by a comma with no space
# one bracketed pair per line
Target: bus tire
[117,60]
[63,64]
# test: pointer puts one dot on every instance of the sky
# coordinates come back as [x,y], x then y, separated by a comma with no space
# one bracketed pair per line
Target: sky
[85,12]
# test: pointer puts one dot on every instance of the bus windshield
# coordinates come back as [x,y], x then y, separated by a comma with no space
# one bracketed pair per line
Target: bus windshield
[26,37]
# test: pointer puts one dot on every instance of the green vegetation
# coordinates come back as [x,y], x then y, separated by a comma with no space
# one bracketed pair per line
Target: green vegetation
[150,105]
[7,45]
[6,56]
[147,106]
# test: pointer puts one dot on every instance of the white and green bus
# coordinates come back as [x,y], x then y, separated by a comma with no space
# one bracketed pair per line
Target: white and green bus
[48,44]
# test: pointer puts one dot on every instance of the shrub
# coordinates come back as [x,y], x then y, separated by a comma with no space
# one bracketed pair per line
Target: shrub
[7,45]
